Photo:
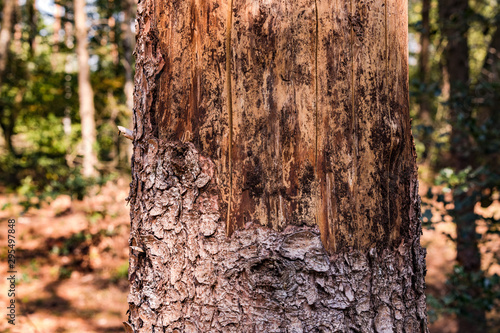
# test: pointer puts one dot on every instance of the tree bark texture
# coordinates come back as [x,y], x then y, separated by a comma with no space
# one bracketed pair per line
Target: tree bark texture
[85,92]
[274,180]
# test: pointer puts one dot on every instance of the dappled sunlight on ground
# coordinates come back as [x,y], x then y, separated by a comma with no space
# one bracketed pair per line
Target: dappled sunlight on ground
[72,259]
[441,253]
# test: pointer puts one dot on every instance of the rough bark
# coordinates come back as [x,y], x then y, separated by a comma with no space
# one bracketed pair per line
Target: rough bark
[85,92]
[187,276]
[274,180]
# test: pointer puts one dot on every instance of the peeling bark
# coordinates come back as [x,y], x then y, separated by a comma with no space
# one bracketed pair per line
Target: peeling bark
[187,276]
[274,179]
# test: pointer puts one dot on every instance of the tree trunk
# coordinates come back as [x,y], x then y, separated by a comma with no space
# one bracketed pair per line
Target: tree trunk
[6,34]
[85,92]
[7,120]
[128,45]
[274,180]
[424,70]
[454,27]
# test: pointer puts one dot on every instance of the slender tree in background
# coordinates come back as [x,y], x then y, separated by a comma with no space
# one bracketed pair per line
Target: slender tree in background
[274,179]
[32,23]
[6,34]
[128,45]
[85,92]
[424,72]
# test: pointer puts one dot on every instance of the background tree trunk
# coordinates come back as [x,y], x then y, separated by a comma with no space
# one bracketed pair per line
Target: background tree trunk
[85,92]
[274,179]
[424,71]
[7,120]
[453,19]
[6,34]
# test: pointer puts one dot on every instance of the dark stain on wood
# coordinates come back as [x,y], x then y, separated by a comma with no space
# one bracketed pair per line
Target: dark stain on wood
[304,110]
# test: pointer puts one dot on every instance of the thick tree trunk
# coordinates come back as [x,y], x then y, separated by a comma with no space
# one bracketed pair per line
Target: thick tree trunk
[274,180]
[85,92]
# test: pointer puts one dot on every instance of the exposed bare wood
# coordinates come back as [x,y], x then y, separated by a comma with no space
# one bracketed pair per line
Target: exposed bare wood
[183,70]
[372,133]
[273,112]
[129,134]
[280,116]
[336,209]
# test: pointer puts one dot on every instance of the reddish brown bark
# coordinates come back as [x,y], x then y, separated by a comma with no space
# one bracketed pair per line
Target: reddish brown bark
[274,180]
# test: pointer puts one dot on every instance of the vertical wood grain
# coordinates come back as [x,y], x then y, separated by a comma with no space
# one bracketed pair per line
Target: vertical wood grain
[335,156]
[401,167]
[273,112]
[303,106]
[191,88]
[372,112]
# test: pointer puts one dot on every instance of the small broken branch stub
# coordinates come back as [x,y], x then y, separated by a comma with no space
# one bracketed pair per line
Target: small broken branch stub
[126,132]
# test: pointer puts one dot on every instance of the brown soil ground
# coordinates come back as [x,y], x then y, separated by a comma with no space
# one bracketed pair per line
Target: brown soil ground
[72,259]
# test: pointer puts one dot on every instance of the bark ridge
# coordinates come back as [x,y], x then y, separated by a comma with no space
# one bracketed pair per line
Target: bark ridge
[187,276]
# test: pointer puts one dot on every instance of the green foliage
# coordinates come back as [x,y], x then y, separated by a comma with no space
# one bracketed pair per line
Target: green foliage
[466,290]
[70,244]
[121,273]
[39,108]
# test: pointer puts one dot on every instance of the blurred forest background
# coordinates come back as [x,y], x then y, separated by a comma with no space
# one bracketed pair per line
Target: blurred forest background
[66,82]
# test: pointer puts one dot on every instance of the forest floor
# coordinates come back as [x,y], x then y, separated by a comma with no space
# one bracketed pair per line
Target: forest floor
[72,260]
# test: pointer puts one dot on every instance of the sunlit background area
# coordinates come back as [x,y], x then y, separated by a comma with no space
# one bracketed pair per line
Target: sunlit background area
[66,83]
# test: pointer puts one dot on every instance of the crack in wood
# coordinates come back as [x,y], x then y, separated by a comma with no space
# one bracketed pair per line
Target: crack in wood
[230,113]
